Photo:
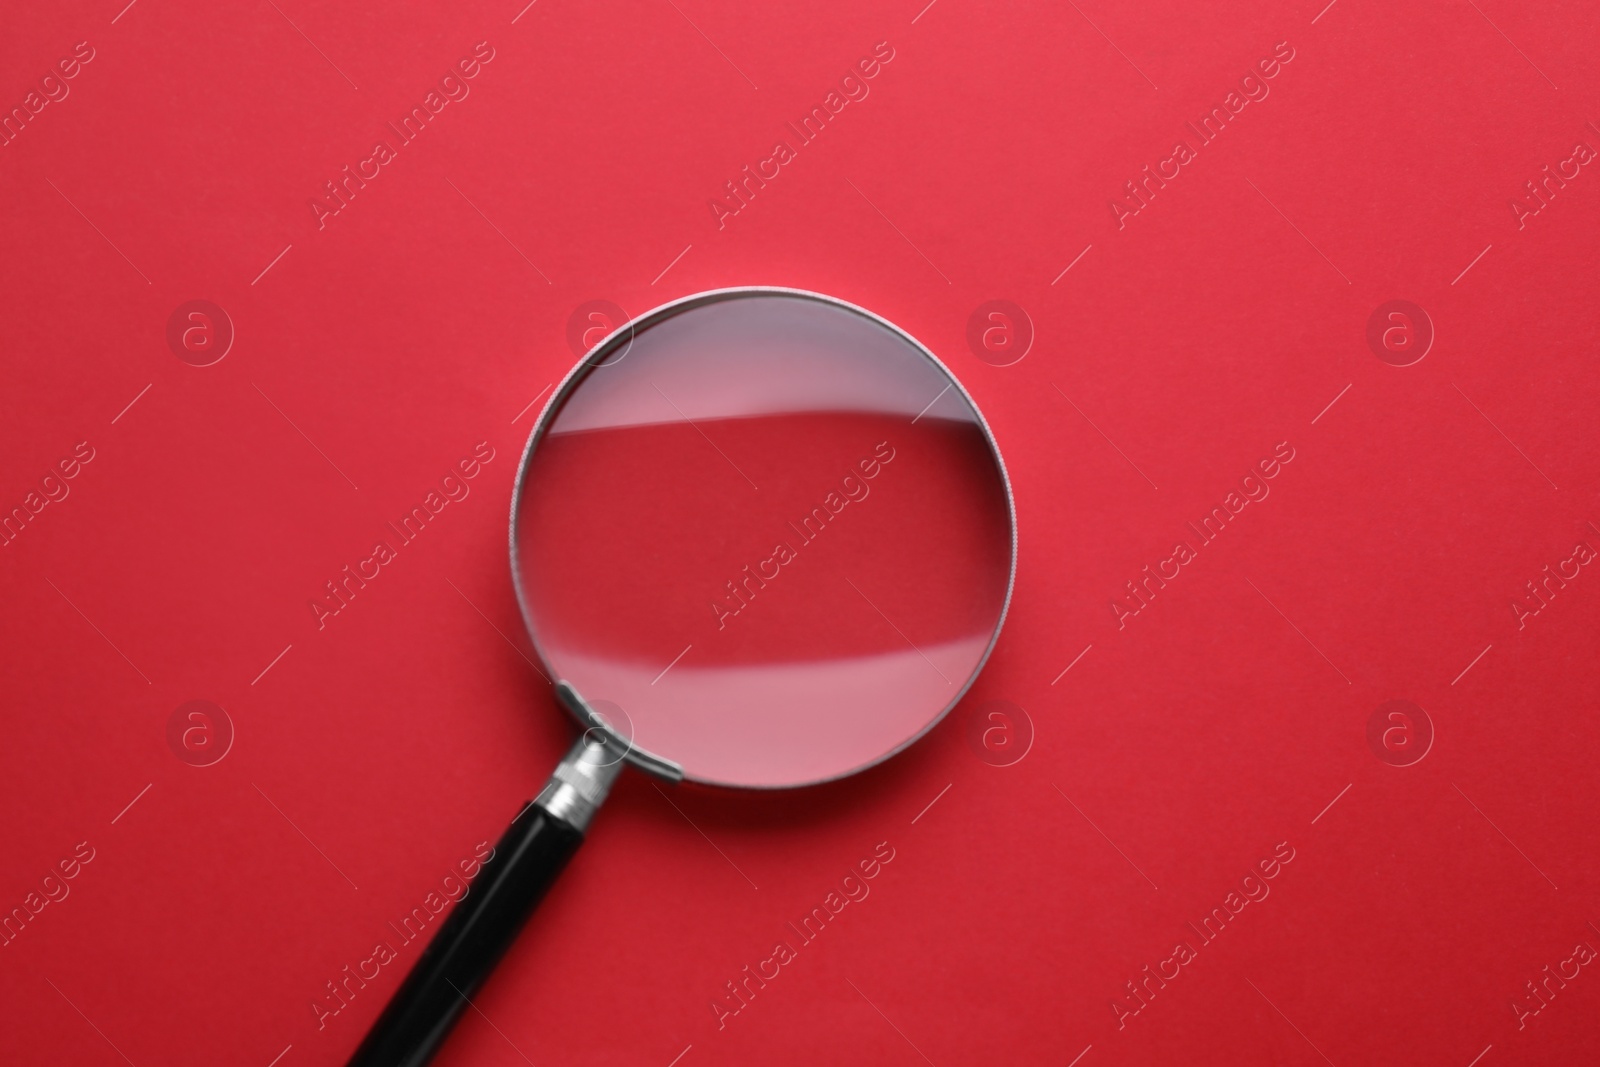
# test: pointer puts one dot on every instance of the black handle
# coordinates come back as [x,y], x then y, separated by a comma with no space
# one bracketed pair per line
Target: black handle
[527,859]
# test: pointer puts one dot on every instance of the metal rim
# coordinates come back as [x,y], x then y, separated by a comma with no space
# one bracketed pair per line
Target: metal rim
[650,762]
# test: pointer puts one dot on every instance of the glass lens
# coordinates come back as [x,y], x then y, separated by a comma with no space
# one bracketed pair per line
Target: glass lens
[773,532]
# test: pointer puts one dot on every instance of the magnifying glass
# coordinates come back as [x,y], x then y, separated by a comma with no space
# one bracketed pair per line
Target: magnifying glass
[761,539]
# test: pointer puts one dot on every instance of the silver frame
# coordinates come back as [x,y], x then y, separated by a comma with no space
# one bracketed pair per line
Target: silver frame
[587,718]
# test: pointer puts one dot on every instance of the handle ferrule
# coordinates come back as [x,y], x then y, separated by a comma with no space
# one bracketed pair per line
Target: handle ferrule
[582,780]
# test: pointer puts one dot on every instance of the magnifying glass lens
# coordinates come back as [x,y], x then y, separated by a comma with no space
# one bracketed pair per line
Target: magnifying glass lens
[772,531]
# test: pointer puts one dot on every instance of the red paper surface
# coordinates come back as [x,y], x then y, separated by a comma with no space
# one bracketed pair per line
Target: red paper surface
[1240,717]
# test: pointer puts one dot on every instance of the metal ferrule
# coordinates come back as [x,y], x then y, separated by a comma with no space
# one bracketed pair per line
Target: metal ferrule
[581,781]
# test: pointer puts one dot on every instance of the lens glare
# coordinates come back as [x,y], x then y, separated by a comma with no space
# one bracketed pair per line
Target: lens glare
[773,532]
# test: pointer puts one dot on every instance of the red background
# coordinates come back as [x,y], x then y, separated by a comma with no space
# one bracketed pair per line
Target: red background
[1221,721]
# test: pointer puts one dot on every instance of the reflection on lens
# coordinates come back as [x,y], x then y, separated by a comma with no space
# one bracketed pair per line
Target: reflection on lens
[776,534]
